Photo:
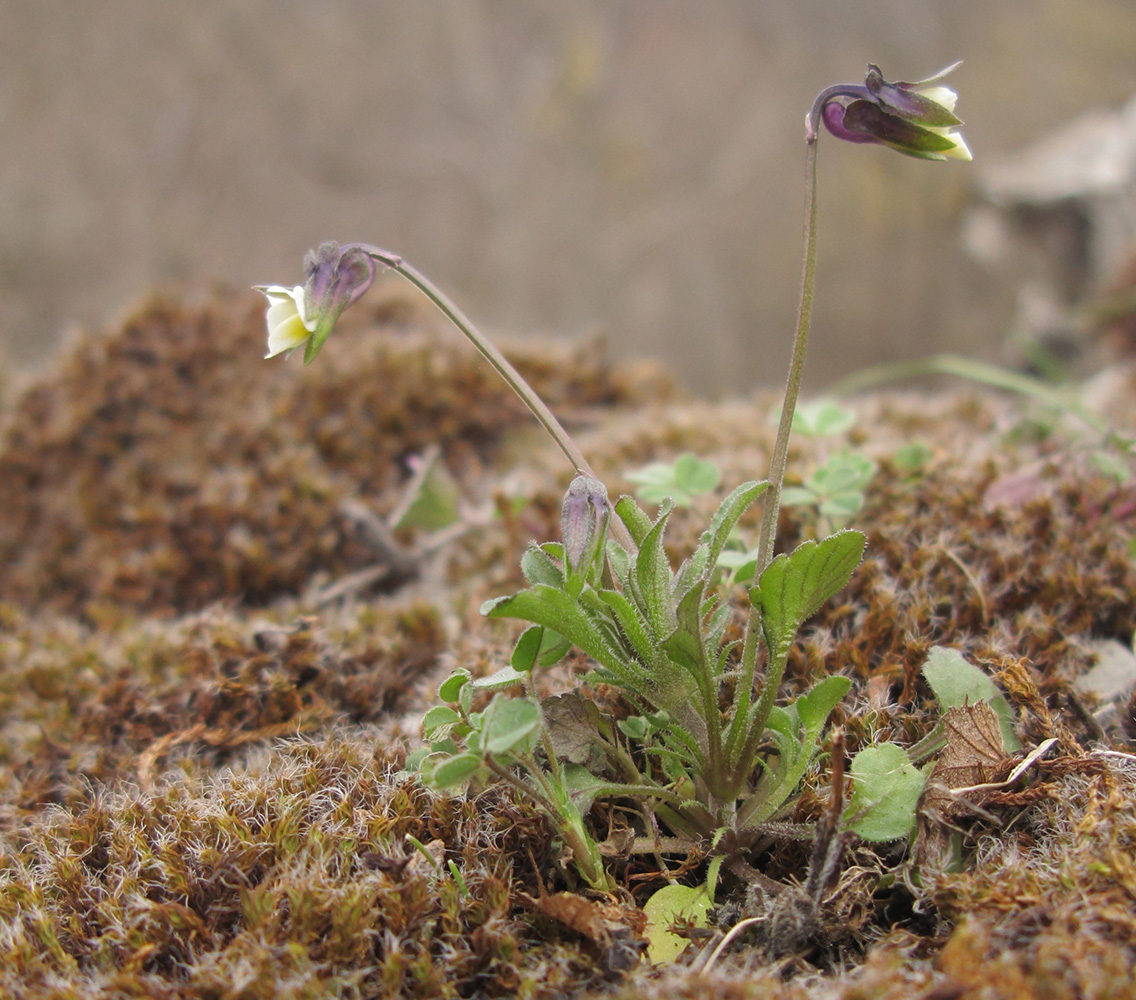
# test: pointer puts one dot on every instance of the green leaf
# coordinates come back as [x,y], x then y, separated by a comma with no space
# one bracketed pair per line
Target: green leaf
[653,575]
[680,481]
[694,476]
[727,515]
[798,496]
[432,497]
[554,648]
[414,759]
[632,623]
[794,586]
[912,457]
[842,473]
[582,786]
[538,646]
[499,680]
[841,505]
[454,771]
[669,905]
[439,721]
[635,727]
[885,793]
[631,514]
[527,650]
[956,682]
[452,685]
[540,566]
[814,708]
[684,645]
[554,609]
[507,723]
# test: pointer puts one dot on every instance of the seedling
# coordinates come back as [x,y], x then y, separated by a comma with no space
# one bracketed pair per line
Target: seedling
[680,481]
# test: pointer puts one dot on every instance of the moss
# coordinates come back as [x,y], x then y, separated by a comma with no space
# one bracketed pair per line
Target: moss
[199,785]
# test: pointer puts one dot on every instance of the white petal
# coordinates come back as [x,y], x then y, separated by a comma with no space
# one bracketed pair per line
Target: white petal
[943,96]
[960,151]
[286,327]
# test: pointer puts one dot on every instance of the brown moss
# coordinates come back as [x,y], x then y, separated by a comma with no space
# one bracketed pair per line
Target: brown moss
[164,466]
[98,706]
[209,805]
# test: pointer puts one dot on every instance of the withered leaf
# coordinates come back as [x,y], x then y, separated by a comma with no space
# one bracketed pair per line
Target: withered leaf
[974,755]
[974,748]
[573,723]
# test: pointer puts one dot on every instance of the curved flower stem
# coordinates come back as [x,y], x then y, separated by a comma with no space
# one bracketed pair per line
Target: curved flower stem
[500,363]
[797,363]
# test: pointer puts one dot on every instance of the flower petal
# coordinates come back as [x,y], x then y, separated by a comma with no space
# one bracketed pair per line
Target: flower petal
[287,328]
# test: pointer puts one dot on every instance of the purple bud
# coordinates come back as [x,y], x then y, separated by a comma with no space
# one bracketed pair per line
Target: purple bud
[914,118]
[583,523]
[833,114]
[336,279]
[921,103]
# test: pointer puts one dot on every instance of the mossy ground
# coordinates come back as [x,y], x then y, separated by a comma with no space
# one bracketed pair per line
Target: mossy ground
[199,751]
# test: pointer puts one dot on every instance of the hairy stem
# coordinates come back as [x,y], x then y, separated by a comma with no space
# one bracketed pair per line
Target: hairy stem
[772,503]
[796,364]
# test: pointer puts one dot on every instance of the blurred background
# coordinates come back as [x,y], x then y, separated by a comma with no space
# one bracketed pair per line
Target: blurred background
[624,168]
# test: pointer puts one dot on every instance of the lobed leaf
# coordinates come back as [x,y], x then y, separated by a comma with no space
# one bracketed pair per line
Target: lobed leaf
[885,793]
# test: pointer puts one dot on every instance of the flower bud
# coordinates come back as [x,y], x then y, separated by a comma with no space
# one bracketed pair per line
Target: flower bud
[336,278]
[917,119]
[583,524]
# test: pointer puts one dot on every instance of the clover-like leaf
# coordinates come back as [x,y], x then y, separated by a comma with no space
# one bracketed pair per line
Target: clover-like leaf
[507,723]
[885,793]
[439,722]
[499,680]
[821,418]
[842,473]
[452,685]
[451,772]
[912,458]
[682,480]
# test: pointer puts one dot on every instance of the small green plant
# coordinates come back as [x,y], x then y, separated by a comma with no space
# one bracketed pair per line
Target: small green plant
[836,489]
[704,742]
[681,481]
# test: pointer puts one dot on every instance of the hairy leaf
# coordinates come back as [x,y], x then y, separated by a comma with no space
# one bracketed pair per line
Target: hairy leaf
[794,586]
